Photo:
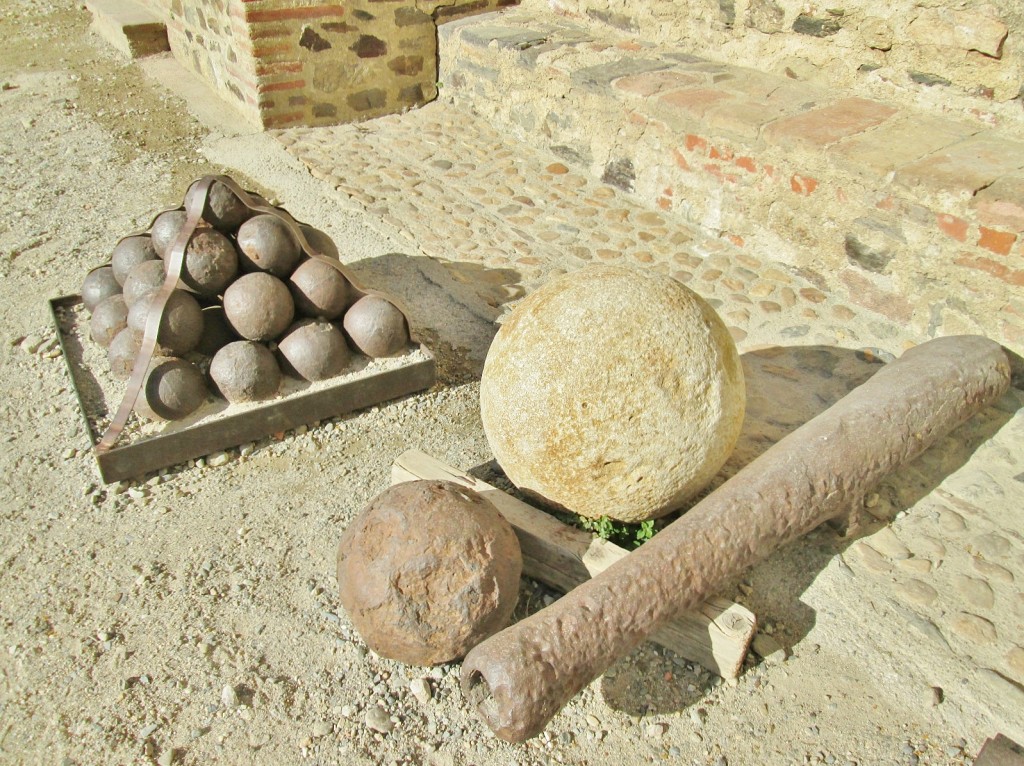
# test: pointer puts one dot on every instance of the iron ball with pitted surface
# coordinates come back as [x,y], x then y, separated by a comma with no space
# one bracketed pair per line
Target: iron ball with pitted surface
[428,570]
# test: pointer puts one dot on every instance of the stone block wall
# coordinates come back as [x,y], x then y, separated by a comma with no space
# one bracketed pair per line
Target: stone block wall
[956,57]
[302,62]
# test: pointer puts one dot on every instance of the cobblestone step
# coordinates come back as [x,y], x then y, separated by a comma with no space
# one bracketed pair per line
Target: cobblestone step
[918,216]
[458,189]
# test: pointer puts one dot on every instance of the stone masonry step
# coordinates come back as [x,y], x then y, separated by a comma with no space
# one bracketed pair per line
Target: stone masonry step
[497,206]
[916,215]
[128,27]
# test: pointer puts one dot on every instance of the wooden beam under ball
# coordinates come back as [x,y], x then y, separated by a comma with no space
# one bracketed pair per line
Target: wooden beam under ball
[716,635]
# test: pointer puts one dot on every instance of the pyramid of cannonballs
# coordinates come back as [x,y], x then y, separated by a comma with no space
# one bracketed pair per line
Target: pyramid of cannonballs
[249,306]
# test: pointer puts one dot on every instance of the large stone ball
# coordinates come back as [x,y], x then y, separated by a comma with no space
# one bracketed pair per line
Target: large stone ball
[258,306]
[612,392]
[428,570]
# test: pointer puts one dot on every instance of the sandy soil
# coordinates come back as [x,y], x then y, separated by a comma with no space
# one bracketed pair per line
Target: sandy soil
[192,617]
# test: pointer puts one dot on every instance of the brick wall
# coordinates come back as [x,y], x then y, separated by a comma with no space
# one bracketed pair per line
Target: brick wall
[951,55]
[303,62]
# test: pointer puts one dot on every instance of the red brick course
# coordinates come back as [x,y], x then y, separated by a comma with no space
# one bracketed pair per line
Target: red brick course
[826,125]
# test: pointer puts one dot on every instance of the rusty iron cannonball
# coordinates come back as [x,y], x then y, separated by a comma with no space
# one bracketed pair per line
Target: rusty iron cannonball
[122,351]
[210,264]
[108,319]
[245,371]
[216,333]
[223,209]
[313,349]
[181,324]
[376,327]
[143,279]
[165,229]
[319,241]
[258,306]
[98,285]
[319,290]
[129,252]
[428,570]
[267,244]
[172,389]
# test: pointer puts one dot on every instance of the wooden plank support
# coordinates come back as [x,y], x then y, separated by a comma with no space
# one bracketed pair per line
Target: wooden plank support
[717,635]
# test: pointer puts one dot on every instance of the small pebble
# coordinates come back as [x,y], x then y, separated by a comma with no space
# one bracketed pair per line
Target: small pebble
[378,720]
[420,689]
[322,728]
[655,730]
[218,459]
[228,697]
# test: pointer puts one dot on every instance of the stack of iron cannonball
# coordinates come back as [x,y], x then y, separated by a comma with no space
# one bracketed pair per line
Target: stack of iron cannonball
[250,306]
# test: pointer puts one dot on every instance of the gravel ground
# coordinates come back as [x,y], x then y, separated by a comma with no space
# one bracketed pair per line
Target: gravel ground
[191,617]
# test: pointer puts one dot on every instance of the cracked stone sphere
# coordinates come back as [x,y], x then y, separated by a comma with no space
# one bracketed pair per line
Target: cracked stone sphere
[181,324]
[108,319]
[122,351]
[313,349]
[173,389]
[165,228]
[223,209]
[129,252]
[376,327]
[210,264]
[612,392]
[428,570]
[98,285]
[143,279]
[319,290]
[258,306]
[267,244]
[245,371]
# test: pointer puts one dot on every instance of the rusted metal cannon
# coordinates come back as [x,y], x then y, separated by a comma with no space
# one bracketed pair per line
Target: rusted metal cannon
[520,678]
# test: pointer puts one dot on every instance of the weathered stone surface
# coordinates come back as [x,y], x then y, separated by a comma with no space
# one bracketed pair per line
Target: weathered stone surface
[765,16]
[612,392]
[973,628]
[967,30]
[427,571]
[976,592]
[917,591]
[876,33]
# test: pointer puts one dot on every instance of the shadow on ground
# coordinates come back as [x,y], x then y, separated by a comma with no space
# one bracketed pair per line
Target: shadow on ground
[786,387]
[452,305]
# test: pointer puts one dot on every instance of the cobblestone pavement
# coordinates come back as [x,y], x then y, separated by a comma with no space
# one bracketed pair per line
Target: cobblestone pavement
[944,546]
